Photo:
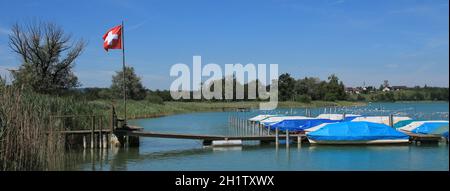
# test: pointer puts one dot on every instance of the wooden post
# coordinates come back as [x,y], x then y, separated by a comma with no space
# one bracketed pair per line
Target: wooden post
[100,142]
[104,145]
[299,141]
[276,136]
[268,129]
[111,124]
[244,126]
[84,141]
[259,128]
[343,116]
[287,138]
[92,131]
[391,120]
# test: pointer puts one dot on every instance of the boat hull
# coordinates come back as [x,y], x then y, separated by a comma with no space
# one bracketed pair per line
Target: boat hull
[361,142]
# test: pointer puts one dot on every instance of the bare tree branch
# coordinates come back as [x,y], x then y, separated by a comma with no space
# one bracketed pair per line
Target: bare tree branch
[48,56]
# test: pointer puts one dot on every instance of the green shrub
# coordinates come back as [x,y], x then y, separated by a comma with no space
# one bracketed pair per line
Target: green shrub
[303,98]
[331,97]
[152,98]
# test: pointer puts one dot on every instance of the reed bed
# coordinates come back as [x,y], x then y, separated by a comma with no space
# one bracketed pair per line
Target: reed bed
[28,141]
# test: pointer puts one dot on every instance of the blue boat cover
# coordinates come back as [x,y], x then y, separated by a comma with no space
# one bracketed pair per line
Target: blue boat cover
[356,131]
[296,125]
[438,127]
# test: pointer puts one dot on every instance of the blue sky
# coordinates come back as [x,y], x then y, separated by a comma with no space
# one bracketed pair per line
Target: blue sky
[403,41]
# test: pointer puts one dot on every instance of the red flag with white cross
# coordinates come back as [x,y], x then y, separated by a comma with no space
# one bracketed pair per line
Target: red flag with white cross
[113,38]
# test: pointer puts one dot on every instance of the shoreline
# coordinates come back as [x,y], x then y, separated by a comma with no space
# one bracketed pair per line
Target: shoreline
[140,109]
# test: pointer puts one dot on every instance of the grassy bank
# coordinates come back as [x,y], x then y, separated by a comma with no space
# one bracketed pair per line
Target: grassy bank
[144,109]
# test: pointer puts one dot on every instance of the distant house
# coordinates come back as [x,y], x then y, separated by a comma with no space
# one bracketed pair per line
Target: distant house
[386,89]
[351,90]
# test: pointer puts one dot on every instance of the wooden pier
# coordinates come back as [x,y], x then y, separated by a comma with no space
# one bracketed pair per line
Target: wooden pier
[116,133]
[207,139]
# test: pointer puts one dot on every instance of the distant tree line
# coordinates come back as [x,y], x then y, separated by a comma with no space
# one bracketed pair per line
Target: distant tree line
[48,56]
[409,94]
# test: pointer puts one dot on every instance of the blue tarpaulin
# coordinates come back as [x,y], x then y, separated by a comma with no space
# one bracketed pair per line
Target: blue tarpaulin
[295,125]
[356,131]
[439,128]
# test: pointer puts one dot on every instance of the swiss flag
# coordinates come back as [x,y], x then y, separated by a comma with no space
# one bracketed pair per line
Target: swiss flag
[113,38]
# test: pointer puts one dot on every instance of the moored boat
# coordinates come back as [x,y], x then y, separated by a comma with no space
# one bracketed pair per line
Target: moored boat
[432,127]
[276,119]
[335,116]
[381,119]
[299,125]
[260,117]
[356,133]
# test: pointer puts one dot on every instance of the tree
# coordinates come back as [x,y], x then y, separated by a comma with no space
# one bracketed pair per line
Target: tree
[386,84]
[134,87]
[286,87]
[47,55]
[335,89]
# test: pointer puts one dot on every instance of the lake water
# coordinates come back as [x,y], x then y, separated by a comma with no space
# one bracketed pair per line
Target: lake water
[174,155]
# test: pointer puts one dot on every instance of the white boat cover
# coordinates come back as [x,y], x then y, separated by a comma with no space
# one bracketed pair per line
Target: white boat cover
[335,116]
[260,117]
[380,119]
[276,119]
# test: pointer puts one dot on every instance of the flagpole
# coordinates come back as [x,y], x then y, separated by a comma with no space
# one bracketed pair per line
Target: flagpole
[124,79]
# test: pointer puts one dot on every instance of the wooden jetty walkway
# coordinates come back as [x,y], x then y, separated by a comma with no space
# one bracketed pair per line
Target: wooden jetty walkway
[208,138]
[103,135]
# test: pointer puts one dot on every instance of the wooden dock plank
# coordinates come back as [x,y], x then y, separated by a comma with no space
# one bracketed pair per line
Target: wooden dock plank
[84,131]
[205,137]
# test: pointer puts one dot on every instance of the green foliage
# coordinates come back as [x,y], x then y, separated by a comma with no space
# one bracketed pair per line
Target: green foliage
[360,98]
[285,87]
[331,96]
[410,94]
[303,98]
[154,98]
[28,138]
[320,90]
[135,89]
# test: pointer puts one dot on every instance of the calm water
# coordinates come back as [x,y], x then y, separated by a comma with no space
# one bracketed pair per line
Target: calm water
[171,154]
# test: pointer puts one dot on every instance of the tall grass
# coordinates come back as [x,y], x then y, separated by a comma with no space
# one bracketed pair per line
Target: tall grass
[145,109]
[27,139]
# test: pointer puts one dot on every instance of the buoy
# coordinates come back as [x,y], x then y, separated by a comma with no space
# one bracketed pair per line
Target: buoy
[222,143]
